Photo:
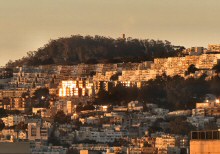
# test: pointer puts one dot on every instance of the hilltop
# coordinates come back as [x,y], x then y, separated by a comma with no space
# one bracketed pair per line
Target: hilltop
[98,49]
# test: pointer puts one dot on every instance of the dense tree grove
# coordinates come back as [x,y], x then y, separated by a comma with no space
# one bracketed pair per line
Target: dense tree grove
[87,49]
[175,125]
[169,92]
[61,118]
[2,125]
[41,97]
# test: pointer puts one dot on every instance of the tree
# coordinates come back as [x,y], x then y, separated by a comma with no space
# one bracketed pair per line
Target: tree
[10,63]
[72,151]
[61,118]
[25,95]
[92,73]
[3,112]
[217,68]
[102,95]
[88,107]
[115,76]
[2,125]
[21,126]
[99,49]
[191,69]
[79,107]
[41,92]
[53,139]
[41,98]
[156,126]
[180,126]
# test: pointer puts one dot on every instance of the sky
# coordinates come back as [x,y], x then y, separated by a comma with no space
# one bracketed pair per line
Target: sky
[26,25]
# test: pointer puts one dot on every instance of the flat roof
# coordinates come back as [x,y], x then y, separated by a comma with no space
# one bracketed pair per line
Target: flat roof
[15,148]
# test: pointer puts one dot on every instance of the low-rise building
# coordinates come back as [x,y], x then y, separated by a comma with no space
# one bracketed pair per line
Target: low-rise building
[205,142]
[13,120]
[135,106]
[38,131]
[165,142]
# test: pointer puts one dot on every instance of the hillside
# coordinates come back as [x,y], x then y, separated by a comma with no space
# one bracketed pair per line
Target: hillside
[87,49]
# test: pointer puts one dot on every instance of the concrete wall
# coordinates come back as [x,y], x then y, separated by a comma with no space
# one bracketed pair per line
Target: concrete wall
[205,147]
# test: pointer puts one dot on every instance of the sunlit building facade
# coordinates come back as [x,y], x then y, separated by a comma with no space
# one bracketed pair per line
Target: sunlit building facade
[205,142]
[77,88]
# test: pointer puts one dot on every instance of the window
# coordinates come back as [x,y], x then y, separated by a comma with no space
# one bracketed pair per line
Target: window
[215,135]
[209,135]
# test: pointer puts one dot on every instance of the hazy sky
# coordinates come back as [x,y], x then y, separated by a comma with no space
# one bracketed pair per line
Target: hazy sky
[26,25]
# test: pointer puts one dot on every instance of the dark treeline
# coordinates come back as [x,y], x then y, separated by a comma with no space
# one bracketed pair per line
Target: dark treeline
[169,92]
[87,49]
[6,73]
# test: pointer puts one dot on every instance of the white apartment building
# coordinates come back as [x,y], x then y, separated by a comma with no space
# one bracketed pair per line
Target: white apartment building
[106,136]
[200,121]
[103,136]
[12,120]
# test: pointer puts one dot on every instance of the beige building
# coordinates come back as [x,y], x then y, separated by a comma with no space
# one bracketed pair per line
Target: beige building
[135,106]
[214,48]
[194,51]
[12,120]
[164,142]
[75,88]
[36,131]
[205,142]
[208,108]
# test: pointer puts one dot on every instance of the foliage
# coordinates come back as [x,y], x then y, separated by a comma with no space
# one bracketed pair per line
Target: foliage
[179,125]
[92,73]
[13,112]
[192,69]
[156,126]
[87,49]
[172,93]
[6,73]
[2,125]
[3,112]
[21,126]
[217,68]
[41,92]
[88,106]
[41,98]
[61,118]
[25,95]
[115,76]
[73,151]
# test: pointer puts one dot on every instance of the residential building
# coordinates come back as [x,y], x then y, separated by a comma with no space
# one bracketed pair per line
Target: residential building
[165,142]
[38,131]
[13,120]
[206,141]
